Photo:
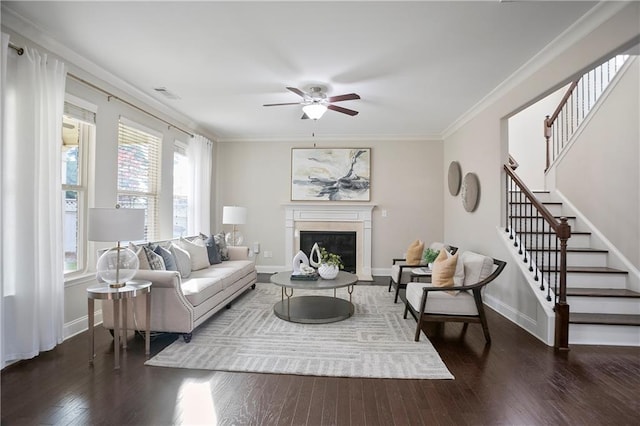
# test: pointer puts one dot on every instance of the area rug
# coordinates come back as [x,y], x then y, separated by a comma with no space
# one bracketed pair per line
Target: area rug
[375,342]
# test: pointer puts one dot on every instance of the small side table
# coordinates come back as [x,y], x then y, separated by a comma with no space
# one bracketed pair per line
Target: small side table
[119,297]
[420,273]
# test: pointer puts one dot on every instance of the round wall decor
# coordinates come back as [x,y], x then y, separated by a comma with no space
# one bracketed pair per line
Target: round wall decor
[455,176]
[470,192]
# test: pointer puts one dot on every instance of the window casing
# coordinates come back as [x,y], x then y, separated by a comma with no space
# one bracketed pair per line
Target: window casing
[180,189]
[78,136]
[139,173]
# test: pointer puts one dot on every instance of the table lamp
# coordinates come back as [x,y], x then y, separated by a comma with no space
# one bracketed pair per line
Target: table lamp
[232,215]
[119,264]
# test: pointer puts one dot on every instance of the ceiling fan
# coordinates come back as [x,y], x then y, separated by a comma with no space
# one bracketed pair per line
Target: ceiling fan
[315,102]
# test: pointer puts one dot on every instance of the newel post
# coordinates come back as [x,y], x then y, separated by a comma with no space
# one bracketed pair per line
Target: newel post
[547,136]
[562,308]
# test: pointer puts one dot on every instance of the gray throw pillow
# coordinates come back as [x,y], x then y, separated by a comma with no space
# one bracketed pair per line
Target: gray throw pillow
[212,250]
[222,246]
[169,261]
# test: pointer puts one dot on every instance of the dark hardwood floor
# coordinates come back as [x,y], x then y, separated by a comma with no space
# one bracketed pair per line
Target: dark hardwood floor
[515,381]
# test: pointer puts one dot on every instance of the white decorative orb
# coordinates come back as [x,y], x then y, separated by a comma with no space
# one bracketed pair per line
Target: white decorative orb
[328,272]
[116,269]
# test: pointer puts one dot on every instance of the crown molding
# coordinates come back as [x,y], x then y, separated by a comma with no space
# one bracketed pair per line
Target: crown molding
[335,138]
[89,70]
[591,20]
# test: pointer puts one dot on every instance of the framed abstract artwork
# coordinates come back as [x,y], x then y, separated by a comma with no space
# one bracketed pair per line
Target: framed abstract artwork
[333,174]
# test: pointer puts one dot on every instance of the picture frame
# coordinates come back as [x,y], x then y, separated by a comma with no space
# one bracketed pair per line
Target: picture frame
[330,174]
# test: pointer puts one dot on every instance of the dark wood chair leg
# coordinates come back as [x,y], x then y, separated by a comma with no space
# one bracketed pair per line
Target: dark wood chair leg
[390,283]
[406,309]
[395,300]
[483,319]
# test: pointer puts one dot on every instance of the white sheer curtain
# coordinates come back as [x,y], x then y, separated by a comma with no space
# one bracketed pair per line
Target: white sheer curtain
[200,156]
[31,205]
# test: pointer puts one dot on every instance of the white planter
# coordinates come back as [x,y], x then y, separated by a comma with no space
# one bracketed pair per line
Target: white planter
[328,272]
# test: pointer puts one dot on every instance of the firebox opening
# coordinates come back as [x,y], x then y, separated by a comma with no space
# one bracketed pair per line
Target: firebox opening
[342,243]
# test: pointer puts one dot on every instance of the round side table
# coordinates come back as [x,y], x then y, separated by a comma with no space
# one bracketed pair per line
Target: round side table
[119,297]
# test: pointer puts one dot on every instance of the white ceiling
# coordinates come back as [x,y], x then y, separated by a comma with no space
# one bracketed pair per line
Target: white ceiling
[418,66]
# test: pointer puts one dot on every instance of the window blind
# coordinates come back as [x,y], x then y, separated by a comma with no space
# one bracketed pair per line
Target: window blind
[139,174]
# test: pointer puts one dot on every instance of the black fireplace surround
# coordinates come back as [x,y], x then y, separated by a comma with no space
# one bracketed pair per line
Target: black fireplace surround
[342,243]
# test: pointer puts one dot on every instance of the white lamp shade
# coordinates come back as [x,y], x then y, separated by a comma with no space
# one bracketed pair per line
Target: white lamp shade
[232,215]
[106,224]
[314,111]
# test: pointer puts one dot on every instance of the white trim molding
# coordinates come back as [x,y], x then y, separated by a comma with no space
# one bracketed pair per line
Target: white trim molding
[355,217]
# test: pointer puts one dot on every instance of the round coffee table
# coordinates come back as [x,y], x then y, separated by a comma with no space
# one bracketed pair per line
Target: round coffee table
[313,309]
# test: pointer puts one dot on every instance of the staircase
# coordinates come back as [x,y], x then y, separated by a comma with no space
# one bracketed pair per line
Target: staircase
[603,310]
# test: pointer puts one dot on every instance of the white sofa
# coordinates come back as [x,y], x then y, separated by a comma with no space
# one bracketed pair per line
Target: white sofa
[180,305]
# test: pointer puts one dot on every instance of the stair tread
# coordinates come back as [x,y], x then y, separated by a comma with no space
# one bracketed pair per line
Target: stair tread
[553,233]
[590,269]
[602,292]
[608,319]
[574,250]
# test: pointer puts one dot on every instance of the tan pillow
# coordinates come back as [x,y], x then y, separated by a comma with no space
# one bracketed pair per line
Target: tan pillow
[414,252]
[444,267]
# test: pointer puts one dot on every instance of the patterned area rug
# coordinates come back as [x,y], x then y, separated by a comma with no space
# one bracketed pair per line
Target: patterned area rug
[375,342]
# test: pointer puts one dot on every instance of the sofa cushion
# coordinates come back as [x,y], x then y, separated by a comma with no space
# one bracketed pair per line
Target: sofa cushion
[183,260]
[477,267]
[212,249]
[198,254]
[201,286]
[167,257]
[441,302]
[143,261]
[222,246]
[155,260]
[443,269]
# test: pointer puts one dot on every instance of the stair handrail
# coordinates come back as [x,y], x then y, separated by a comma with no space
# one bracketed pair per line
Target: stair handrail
[562,231]
[575,105]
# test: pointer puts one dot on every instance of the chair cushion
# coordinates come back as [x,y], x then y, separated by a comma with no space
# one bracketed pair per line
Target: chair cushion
[444,268]
[441,302]
[477,267]
[414,252]
[395,274]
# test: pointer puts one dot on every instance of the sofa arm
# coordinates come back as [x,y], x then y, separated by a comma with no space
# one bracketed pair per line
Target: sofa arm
[238,252]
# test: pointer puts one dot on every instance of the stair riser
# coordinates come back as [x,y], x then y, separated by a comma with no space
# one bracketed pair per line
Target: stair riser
[575,259]
[604,305]
[576,241]
[587,280]
[596,334]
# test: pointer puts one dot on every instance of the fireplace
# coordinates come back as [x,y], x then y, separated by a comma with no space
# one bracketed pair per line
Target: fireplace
[331,218]
[342,243]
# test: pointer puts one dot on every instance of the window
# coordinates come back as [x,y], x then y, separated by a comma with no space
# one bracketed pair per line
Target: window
[139,173]
[78,136]
[180,190]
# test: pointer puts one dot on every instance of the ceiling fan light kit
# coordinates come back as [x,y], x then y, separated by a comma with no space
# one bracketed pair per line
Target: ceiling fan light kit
[315,102]
[314,111]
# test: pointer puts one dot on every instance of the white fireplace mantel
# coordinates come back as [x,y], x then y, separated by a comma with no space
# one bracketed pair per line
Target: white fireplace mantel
[353,216]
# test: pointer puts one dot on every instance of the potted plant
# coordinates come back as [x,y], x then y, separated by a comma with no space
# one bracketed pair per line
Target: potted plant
[330,264]
[429,256]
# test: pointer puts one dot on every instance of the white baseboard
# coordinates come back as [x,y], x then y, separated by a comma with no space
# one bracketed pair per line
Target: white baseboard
[80,325]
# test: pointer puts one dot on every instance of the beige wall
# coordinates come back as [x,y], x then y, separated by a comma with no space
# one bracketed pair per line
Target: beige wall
[406,181]
[605,157]
[481,146]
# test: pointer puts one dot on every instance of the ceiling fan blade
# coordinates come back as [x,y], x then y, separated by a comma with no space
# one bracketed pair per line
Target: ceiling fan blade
[297,91]
[288,103]
[342,110]
[347,97]
[304,116]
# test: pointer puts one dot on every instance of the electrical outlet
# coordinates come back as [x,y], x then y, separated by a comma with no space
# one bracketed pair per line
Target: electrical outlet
[268,254]
[384,213]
